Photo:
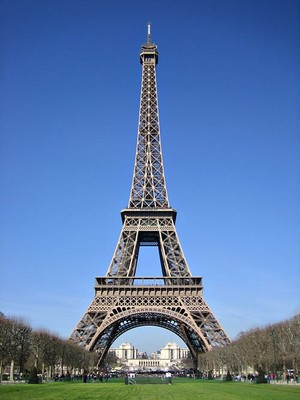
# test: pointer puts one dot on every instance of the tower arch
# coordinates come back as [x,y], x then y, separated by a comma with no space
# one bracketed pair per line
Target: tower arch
[176,321]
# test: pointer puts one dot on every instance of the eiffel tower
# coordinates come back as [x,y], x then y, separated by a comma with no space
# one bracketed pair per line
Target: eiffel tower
[172,301]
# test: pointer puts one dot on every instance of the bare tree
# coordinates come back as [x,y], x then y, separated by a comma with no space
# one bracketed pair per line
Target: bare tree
[5,328]
[15,342]
[275,347]
[40,353]
[51,353]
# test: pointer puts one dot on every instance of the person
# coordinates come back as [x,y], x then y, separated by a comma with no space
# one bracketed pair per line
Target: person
[169,377]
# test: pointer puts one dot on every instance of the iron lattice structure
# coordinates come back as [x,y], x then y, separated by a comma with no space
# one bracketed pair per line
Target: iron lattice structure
[173,301]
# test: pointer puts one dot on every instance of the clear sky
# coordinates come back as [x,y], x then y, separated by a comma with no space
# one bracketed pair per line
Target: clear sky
[228,86]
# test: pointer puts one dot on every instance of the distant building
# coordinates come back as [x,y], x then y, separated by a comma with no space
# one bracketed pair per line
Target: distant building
[170,356]
[173,352]
[125,351]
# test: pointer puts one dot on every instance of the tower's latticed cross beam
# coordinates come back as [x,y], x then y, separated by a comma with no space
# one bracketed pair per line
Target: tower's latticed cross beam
[173,301]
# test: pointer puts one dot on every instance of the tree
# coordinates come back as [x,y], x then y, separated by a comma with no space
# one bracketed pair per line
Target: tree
[33,376]
[51,353]
[261,376]
[17,343]
[228,376]
[5,328]
[275,347]
[111,359]
[187,363]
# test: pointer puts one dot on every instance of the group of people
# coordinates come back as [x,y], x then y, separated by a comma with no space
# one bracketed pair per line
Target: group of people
[93,377]
[291,377]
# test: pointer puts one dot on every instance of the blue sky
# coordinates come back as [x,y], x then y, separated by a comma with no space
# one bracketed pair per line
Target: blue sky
[228,86]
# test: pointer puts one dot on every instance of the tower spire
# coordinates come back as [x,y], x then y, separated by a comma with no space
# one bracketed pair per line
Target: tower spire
[148,185]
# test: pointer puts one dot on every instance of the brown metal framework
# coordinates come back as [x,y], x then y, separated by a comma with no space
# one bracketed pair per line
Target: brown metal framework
[173,301]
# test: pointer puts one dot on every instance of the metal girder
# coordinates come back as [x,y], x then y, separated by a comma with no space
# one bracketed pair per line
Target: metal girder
[153,230]
[176,304]
[148,185]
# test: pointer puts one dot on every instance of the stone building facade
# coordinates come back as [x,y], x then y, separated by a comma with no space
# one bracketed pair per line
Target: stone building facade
[169,357]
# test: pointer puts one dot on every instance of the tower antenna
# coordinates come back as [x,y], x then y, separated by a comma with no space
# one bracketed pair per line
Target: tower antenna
[149,33]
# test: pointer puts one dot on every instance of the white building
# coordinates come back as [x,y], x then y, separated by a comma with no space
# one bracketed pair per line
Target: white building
[125,351]
[173,352]
[168,357]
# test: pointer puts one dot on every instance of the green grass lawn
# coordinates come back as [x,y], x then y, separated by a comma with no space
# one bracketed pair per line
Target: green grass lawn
[181,389]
